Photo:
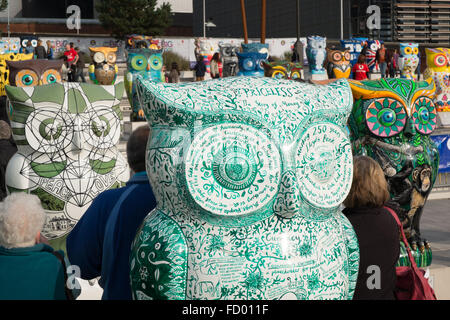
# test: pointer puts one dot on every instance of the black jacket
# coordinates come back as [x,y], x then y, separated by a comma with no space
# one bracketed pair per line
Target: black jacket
[379,245]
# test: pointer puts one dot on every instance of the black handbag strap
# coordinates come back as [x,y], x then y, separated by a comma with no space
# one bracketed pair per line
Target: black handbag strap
[69,293]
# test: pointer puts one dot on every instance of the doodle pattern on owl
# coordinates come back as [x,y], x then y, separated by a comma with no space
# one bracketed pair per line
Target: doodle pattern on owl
[392,120]
[66,136]
[248,174]
[438,68]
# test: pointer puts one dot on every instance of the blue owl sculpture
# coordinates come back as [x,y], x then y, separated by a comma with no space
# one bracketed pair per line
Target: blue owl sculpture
[145,62]
[250,63]
[251,58]
[316,53]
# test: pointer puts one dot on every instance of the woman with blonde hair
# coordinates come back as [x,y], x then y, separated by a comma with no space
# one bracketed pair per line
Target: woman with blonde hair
[376,230]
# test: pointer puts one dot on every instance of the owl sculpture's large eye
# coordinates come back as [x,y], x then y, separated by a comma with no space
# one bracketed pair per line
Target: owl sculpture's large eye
[259,65]
[408,50]
[324,165]
[235,163]
[26,78]
[111,57]
[279,73]
[374,47]
[337,56]
[139,62]
[295,74]
[415,50]
[385,117]
[50,76]
[99,57]
[424,115]
[104,128]
[440,60]
[52,135]
[347,56]
[248,64]
[156,62]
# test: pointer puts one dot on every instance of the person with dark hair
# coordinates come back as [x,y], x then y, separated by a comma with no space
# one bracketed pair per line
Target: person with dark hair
[200,69]
[39,51]
[376,230]
[360,70]
[174,74]
[214,65]
[79,70]
[100,243]
[381,57]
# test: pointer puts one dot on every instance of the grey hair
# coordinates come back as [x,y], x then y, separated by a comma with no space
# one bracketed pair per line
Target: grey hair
[21,218]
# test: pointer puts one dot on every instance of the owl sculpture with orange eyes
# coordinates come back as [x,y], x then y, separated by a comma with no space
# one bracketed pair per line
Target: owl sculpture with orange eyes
[31,73]
[103,69]
[338,63]
[4,70]
[438,68]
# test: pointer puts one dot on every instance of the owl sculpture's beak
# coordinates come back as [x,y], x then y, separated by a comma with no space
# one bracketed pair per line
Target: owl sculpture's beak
[148,66]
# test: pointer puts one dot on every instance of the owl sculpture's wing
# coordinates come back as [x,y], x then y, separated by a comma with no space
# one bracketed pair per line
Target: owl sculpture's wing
[167,256]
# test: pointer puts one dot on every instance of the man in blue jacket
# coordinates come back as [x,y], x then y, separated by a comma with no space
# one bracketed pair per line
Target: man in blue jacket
[100,243]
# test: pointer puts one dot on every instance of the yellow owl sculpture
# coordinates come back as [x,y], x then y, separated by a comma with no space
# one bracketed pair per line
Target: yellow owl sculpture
[438,68]
[103,69]
[4,71]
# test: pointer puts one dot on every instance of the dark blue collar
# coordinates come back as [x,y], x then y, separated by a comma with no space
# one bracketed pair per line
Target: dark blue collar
[138,177]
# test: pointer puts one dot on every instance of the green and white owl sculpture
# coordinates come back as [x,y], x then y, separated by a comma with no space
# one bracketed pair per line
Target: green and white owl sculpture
[248,173]
[66,136]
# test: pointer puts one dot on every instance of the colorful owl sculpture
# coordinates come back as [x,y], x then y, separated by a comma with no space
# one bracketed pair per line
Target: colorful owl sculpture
[103,69]
[147,63]
[136,41]
[206,50]
[251,58]
[316,53]
[371,54]
[31,73]
[438,68]
[4,70]
[338,63]
[66,136]
[9,45]
[248,174]
[408,60]
[392,120]
[24,40]
[283,70]
[229,57]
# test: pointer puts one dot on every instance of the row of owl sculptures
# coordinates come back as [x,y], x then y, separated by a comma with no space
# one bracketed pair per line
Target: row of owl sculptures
[248,172]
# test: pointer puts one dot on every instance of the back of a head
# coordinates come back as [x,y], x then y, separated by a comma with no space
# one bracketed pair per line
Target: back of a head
[369,187]
[361,58]
[21,218]
[5,130]
[136,148]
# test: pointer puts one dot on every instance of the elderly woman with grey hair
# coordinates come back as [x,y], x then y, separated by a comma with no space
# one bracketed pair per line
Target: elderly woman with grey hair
[29,268]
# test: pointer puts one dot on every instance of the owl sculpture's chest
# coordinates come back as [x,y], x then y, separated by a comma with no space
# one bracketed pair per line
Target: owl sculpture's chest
[270,259]
[105,74]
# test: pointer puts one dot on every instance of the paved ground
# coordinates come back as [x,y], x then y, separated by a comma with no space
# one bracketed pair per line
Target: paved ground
[435,227]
